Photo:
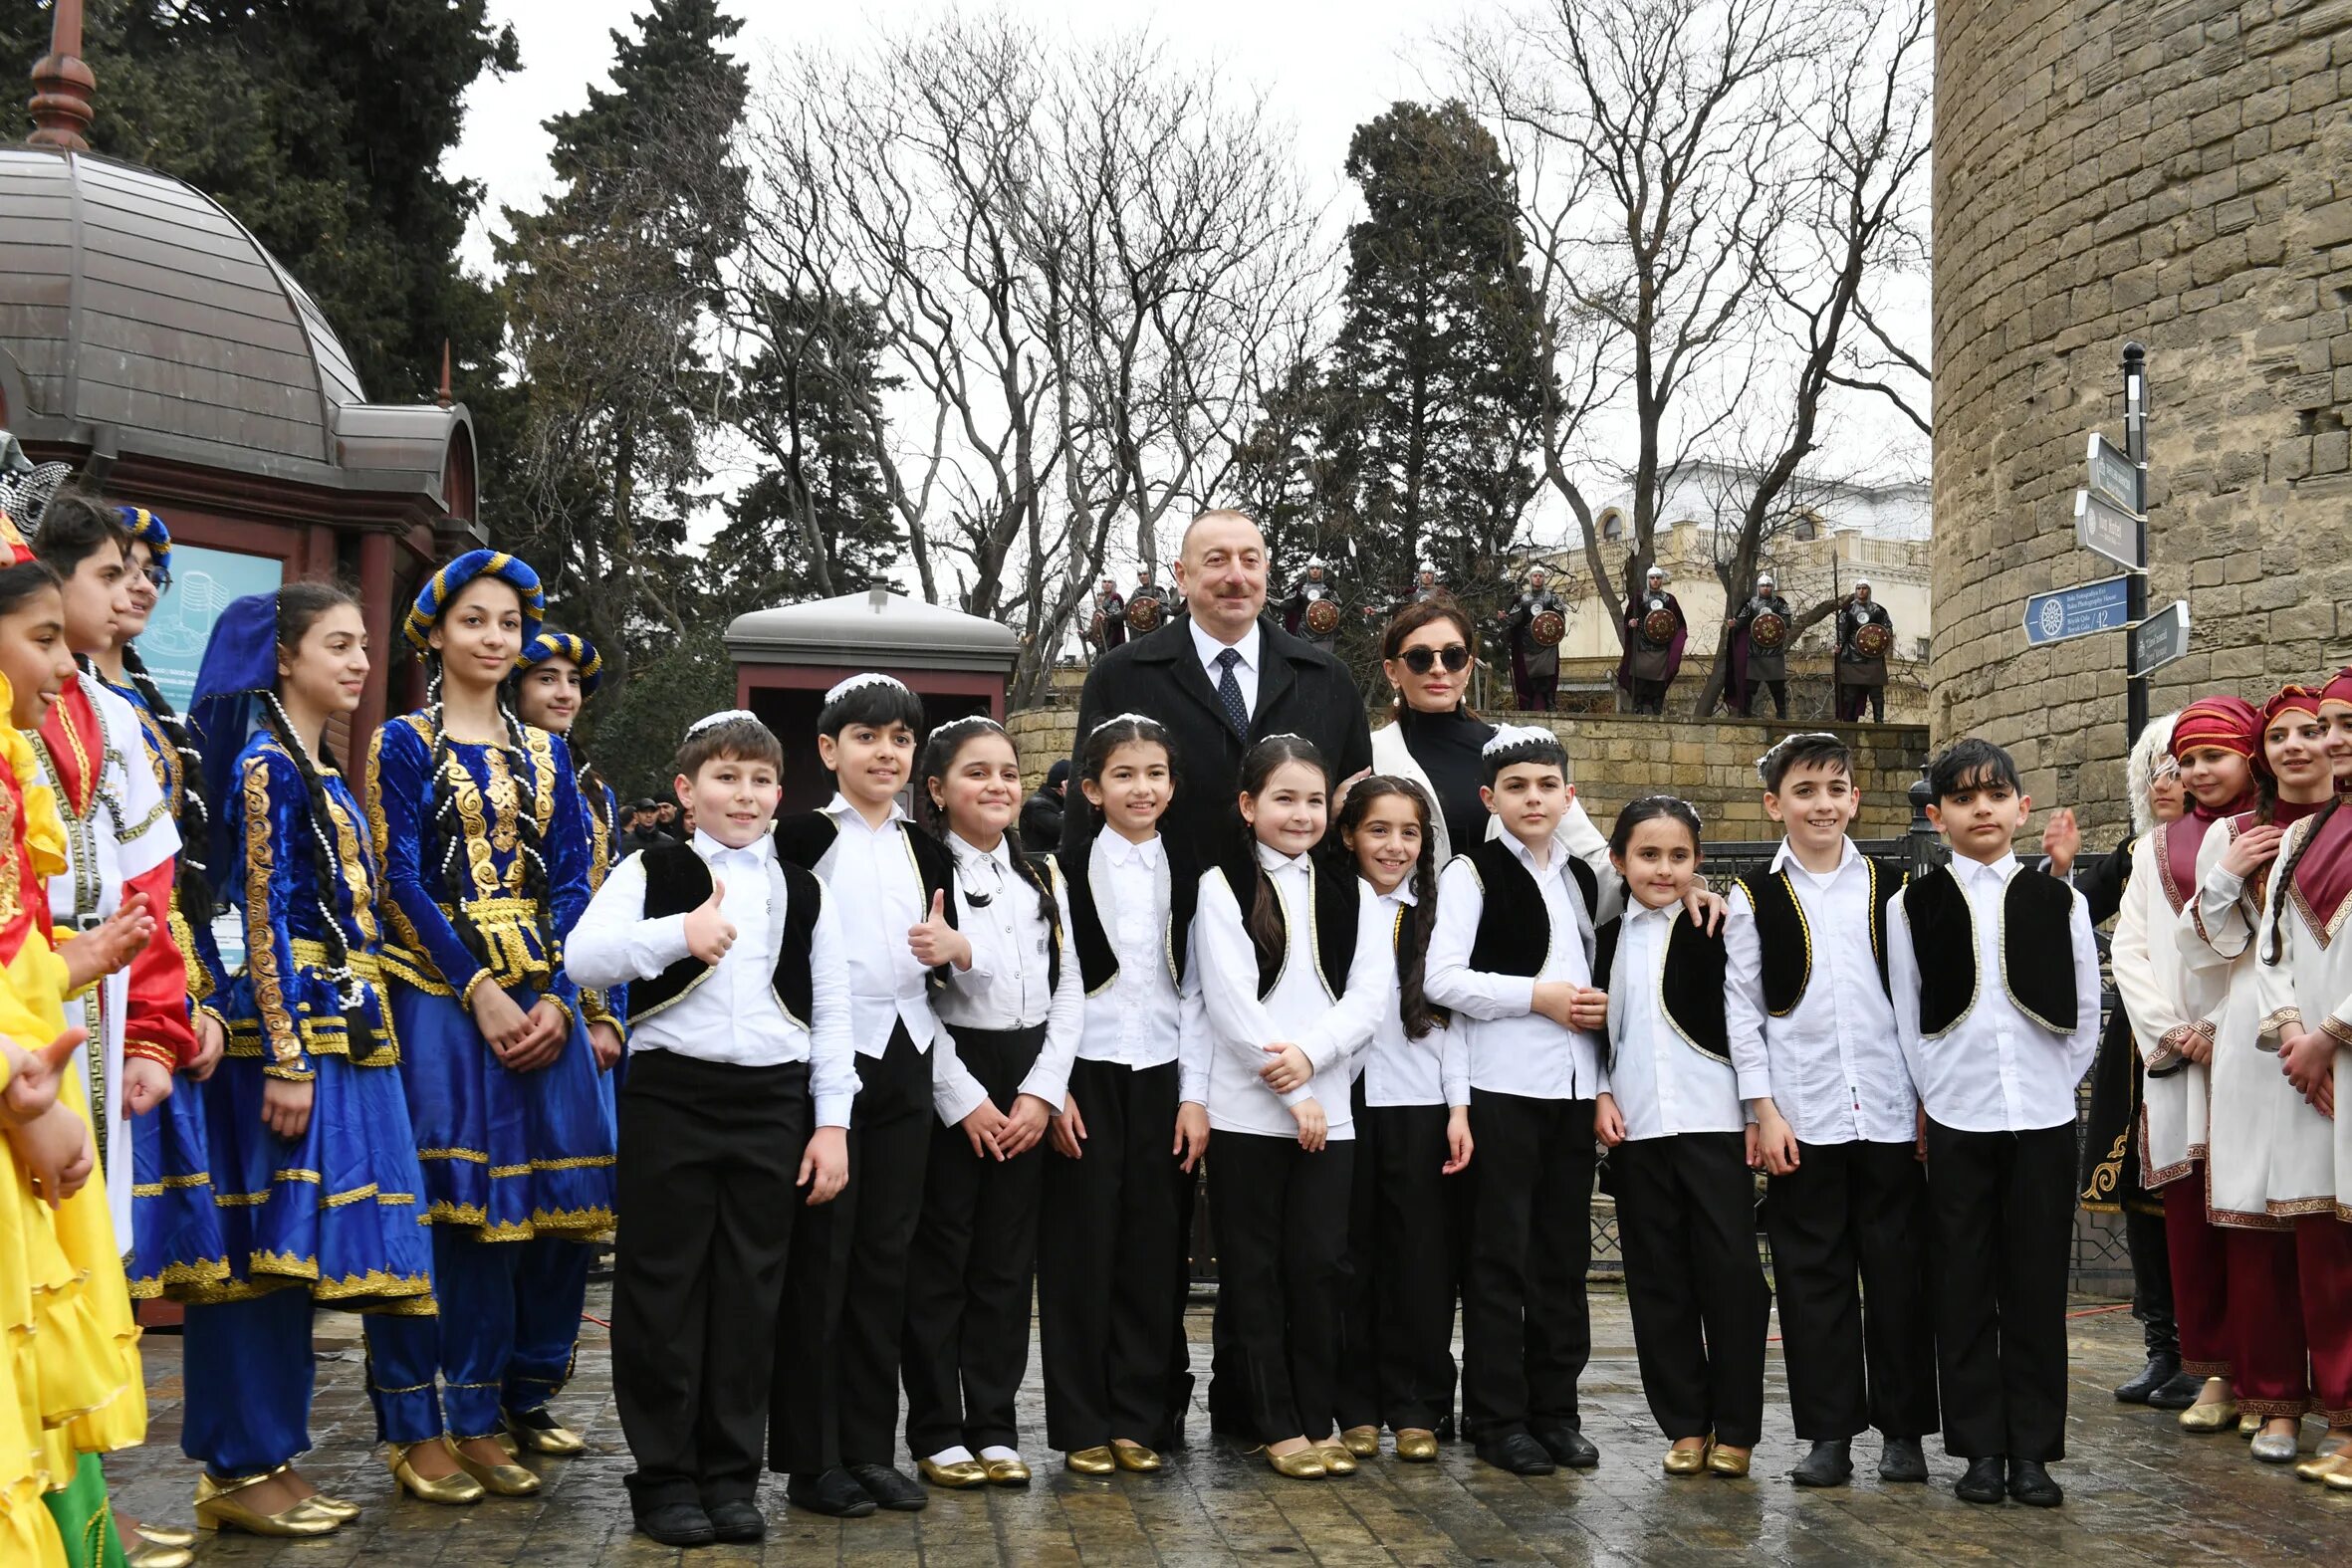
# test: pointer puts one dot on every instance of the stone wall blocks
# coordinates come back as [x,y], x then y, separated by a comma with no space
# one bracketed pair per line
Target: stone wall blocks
[2331,452]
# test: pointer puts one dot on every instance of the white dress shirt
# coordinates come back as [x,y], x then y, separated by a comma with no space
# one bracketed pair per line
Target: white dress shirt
[732,1016]
[1245,674]
[878,893]
[1398,1070]
[1007,985]
[1996,1070]
[1662,1083]
[1229,1027]
[1132,1021]
[1833,1067]
[1514,1049]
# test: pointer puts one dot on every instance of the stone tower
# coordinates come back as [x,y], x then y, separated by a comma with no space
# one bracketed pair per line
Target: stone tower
[2179,173]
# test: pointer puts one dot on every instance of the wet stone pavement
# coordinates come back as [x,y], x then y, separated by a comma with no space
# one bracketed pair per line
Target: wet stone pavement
[2137,1492]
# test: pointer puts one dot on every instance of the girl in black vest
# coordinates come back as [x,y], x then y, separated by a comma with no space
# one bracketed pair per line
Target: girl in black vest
[1412,1124]
[1292,968]
[1683,1152]
[1012,1009]
[1111,1254]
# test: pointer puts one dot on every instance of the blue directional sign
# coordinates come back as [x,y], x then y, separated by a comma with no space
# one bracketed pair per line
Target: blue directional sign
[2078,611]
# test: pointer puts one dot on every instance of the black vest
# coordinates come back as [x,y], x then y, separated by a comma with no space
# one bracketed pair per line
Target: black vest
[1787,939]
[1332,914]
[1691,990]
[1514,924]
[803,838]
[1099,961]
[678,880]
[2037,950]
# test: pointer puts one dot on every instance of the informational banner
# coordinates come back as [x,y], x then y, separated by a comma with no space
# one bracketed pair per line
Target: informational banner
[203,582]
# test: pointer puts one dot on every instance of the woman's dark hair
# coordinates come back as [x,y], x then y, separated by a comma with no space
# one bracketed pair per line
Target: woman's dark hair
[878,703]
[299,605]
[1129,729]
[1648,809]
[74,527]
[592,785]
[2285,876]
[21,581]
[1412,942]
[194,881]
[1263,918]
[941,748]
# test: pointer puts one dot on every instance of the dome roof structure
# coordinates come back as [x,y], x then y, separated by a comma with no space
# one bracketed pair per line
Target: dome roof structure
[873,628]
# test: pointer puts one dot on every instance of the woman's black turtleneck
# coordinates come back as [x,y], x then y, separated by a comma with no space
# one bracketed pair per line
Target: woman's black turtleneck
[1446,746]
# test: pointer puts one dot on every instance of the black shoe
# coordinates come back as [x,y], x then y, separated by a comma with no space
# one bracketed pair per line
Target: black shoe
[2177,1393]
[1445,1429]
[1983,1483]
[1564,1444]
[677,1524]
[738,1520]
[2161,1369]
[894,1489]
[834,1492]
[1902,1459]
[1830,1463]
[1516,1453]
[2032,1485]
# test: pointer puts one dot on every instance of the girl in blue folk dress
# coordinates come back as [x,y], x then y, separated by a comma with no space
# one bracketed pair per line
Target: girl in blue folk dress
[313,1157]
[484,845]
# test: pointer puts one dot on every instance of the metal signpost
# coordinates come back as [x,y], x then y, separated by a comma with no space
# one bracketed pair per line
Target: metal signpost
[2161,639]
[2078,611]
[2111,520]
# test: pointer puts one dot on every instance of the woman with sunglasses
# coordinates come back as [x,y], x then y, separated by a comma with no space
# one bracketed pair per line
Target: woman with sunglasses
[1426,653]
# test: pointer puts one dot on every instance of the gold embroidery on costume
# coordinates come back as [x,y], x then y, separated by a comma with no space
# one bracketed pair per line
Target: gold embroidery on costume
[481,865]
[357,875]
[11,901]
[261,953]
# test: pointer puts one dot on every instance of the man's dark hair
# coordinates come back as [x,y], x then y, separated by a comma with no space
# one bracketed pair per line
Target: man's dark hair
[742,740]
[1817,750]
[1968,764]
[74,528]
[877,703]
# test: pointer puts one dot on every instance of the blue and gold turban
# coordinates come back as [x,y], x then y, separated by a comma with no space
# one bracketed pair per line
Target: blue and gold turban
[567,645]
[147,528]
[446,583]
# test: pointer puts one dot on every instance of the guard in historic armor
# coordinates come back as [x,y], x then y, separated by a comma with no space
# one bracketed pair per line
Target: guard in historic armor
[1655,631]
[1425,586]
[1759,647]
[1109,629]
[1533,628]
[1312,609]
[1865,637]
[1147,606]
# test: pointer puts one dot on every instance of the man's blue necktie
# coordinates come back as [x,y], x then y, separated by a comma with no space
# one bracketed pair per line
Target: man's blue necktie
[1228,692]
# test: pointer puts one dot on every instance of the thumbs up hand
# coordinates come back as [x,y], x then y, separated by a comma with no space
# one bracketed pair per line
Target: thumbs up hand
[934,942]
[709,933]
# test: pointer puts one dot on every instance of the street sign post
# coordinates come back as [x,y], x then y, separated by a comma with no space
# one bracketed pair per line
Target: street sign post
[2161,639]
[2114,478]
[2078,611]
[2109,530]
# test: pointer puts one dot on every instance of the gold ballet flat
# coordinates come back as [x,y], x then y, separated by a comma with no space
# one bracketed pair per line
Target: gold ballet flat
[1686,1462]
[2217,1414]
[1723,1462]
[1363,1441]
[1006,1473]
[221,1505]
[2248,1426]
[1091,1462]
[1337,1460]
[333,1506]
[1134,1457]
[151,1553]
[1306,1464]
[2339,1479]
[956,1476]
[508,1481]
[554,1439]
[2320,1467]
[1416,1446]
[165,1535]
[448,1490]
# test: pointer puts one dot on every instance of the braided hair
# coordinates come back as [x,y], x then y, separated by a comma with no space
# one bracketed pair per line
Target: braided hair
[940,751]
[2285,876]
[194,883]
[1414,1008]
[451,888]
[1263,918]
[299,605]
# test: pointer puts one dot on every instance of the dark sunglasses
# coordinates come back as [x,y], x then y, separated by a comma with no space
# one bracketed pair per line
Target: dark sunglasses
[1423,659]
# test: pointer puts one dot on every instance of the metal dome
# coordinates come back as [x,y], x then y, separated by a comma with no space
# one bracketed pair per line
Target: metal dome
[876,627]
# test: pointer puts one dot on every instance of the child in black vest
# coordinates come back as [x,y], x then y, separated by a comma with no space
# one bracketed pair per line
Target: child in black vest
[736,1113]
[1290,967]
[1995,982]
[1813,1035]
[1111,1252]
[1511,956]
[833,1408]
[1683,1152]
[1011,1010]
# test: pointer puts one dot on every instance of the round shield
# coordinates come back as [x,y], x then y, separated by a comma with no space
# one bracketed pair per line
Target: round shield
[1547,630]
[1875,640]
[1095,628]
[1322,616]
[1145,615]
[1769,630]
[1657,628]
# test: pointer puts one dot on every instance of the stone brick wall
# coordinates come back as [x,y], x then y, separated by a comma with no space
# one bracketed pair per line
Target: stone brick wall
[1615,758]
[2179,173]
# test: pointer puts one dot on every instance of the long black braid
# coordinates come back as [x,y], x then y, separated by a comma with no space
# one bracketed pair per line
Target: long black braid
[2285,876]
[331,892]
[527,835]
[194,883]
[443,818]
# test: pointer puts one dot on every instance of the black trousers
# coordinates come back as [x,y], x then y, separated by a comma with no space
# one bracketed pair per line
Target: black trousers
[1396,1365]
[1853,699]
[2003,1207]
[836,1396]
[971,1279]
[1282,1263]
[1649,696]
[1858,1355]
[2152,1280]
[1526,1331]
[1779,691]
[1685,1224]
[712,1150]
[1111,1260]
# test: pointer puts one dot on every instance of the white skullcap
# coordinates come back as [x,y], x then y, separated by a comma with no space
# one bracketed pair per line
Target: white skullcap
[730,716]
[861,682]
[1508,736]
